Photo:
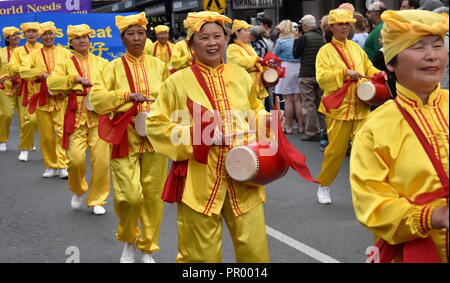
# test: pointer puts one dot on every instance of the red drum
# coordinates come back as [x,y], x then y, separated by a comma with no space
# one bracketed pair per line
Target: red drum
[270,77]
[249,163]
[139,123]
[375,91]
[87,103]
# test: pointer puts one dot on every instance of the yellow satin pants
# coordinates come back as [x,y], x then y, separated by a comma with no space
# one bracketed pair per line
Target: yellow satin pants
[50,127]
[82,139]
[27,122]
[138,181]
[200,235]
[340,133]
[7,104]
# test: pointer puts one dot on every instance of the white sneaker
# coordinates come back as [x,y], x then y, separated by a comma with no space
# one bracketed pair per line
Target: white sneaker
[98,210]
[63,174]
[76,202]
[34,148]
[147,258]
[323,195]
[49,172]
[2,146]
[128,253]
[23,156]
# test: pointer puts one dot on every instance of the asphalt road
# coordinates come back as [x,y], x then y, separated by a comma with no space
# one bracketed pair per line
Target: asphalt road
[38,224]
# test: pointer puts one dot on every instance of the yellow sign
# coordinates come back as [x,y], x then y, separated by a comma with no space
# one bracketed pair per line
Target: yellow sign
[215,5]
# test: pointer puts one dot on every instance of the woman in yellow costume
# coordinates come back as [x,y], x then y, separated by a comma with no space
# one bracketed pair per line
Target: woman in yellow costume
[241,53]
[8,84]
[49,108]
[399,163]
[125,86]
[27,121]
[162,48]
[209,194]
[340,66]
[182,56]
[74,78]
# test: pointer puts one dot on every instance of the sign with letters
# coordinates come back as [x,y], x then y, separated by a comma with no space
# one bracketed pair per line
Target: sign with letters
[105,37]
[56,6]
[253,4]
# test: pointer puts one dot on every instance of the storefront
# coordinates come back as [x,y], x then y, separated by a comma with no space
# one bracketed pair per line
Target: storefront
[180,9]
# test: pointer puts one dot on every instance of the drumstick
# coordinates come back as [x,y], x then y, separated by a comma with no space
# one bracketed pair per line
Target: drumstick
[239,134]
[277,103]
[366,77]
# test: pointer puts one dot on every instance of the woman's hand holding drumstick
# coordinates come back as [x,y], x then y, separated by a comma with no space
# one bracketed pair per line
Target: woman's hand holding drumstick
[140,98]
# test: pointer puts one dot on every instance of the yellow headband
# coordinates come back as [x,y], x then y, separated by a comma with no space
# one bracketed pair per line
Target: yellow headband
[7,31]
[47,26]
[340,16]
[402,29]
[238,24]
[77,31]
[161,28]
[123,23]
[195,21]
[30,25]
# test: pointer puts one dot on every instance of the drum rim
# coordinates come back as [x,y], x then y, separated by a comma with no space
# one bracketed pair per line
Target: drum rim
[249,149]
[136,124]
[363,85]
[87,103]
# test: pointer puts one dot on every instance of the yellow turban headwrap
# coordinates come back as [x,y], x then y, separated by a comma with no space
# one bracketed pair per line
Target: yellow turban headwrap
[161,28]
[77,31]
[47,26]
[402,29]
[195,21]
[340,16]
[238,24]
[30,25]
[7,31]
[123,23]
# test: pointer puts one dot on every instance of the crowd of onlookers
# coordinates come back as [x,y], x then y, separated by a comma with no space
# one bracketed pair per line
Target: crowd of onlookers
[297,44]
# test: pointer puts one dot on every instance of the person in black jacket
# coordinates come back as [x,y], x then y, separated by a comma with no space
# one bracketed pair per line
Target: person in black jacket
[306,48]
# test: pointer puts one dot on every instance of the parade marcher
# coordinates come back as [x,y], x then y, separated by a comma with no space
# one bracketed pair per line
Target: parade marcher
[182,56]
[124,87]
[306,48]
[8,84]
[241,53]
[399,174]
[372,44]
[208,193]
[49,108]
[162,48]
[74,78]
[288,85]
[340,64]
[27,121]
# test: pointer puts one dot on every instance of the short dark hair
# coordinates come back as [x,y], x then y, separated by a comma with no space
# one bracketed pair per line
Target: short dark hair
[414,3]
[267,22]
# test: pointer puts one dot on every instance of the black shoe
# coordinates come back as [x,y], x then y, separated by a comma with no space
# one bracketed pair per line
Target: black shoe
[307,137]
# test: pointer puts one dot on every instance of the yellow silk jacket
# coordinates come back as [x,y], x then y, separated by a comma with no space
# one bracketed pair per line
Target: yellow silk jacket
[7,88]
[181,55]
[331,75]
[62,81]
[18,59]
[206,184]
[162,52]
[148,47]
[35,65]
[245,56]
[388,165]
[111,90]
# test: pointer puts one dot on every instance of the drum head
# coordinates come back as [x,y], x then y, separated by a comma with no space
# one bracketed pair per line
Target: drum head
[366,91]
[87,103]
[270,76]
[242,164]
[139,124]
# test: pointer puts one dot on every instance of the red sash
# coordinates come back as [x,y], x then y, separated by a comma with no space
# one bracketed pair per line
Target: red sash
[71,109]
[40,98]
[156,47]
[335,99]
[115,131]
[422,250]
[173,188]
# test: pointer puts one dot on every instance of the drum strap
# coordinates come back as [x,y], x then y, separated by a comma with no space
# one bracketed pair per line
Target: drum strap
[421,250]
[335,99]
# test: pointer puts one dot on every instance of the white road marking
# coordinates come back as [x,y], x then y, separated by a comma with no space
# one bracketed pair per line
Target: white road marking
[315,254]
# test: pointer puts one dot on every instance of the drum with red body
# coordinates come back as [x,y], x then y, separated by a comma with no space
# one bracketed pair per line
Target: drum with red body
[375,91]
[255,163]
[270,77]
[139,123]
